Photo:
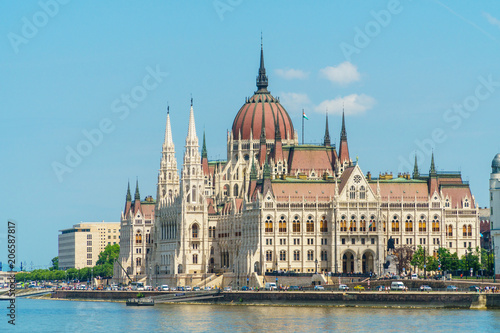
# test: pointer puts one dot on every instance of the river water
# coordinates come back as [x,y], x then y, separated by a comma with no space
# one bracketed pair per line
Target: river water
[34,315]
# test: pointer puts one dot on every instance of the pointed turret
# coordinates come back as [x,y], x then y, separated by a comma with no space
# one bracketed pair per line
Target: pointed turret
[416,174]
[137,195]
[191,136]
[263,146]
[326,141]
[168,131]
[344,149]
[204,158]
[262,77]
[432,171]
[192,176]
[129,196]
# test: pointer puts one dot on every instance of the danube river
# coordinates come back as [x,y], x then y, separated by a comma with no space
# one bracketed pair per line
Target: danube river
[33,315]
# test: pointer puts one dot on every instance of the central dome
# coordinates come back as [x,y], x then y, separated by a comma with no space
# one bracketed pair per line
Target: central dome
[262,110]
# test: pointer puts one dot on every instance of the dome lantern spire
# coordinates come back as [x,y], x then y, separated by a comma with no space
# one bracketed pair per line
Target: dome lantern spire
[262,77]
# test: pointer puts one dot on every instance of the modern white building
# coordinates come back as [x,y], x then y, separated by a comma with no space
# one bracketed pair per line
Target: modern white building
[495,210]
[81,245]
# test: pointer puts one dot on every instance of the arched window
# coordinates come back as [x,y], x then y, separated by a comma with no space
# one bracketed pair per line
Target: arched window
[362,192]
[469,231]
[310,224]
[408,224]
[395,224]
[138,237]
[282,224]
[269,255]
[138,262]
[362,223]
[323,224]
[235,190]
[296,224]
[310,255]
[466,203]
[324,255]
[226,190]
[352,224]
[195,230]
[193,193]
[435,224]
[296,255]
[422,224]
[343,223]
[269,224]
[169,175]
[464,231]
[373,224]
[195,258]
[352,192]
[447,203]
[282,255]
[449,232]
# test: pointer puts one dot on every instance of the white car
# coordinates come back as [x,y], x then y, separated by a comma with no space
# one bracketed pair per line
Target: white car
[343,287]
[188,288]
[165,287]
[319,288]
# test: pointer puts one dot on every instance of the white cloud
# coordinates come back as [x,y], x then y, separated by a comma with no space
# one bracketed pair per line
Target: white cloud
[492,20]
[290,74]
[352,104]
[294,102]
[342,74]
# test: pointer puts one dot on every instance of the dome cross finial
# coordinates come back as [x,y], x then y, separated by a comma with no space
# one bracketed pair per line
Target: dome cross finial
[262,77]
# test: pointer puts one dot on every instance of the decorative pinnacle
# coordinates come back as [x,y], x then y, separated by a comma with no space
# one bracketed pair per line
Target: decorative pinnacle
[137,195]
[262,77]
[204,149]
[433,168]
[415,168]
[129,197]
[327,133]
[343,133]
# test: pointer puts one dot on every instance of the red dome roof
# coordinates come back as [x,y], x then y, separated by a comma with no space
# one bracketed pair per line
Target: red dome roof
[262,107]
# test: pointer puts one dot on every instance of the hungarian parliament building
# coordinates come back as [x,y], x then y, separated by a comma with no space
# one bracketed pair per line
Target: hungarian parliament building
[276,205]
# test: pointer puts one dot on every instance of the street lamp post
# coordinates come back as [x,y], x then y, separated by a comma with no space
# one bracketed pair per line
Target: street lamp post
[316,262]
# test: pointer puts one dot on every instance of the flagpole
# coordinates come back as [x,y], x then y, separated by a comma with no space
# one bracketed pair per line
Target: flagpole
[302,126]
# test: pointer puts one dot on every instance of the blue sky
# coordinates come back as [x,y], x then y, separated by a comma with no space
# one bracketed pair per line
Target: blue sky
[413,76]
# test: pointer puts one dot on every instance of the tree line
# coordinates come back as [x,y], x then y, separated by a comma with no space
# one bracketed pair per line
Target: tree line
[103,269]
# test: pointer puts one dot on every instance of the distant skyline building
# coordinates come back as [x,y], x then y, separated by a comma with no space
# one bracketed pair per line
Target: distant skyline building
[495,210]
[81,245]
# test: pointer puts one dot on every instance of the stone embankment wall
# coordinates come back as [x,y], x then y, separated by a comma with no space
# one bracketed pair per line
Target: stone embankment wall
[333,298]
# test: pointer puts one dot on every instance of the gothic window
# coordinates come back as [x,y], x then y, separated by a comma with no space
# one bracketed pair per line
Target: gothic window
[193,194]
[422,224]
[362,224]
[395,224]
[323,224]
[352,224]
[195,258]
[138,237]
[449,232]
[195,230]
[296,224]
[138,262]
[170,194]
[373,224]
[310,255]
[282,224]
[310,224]
[235,190]
[226,190]
[362,192]
[343,223]
[435,224]
[169,176]
[408,224]
[269,224]
[269,255]
[352,192]
[447,203]
[282,255]
[469,230]
[466,203]
[212,251]
[324,255]
[296,255]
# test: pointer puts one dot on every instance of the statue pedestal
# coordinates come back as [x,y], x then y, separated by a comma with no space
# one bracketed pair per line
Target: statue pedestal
[391,268]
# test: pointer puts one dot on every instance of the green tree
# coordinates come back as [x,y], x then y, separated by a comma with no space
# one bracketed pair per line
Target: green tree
[104,265]
[418,258]
[55,264]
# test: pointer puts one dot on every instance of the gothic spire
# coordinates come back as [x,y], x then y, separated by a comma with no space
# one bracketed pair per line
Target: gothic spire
[192,128]
[327,133]
[204,149]
[137,195]
[262,77]
[416,174]
[343,133]
[168,130]
[129,197]
[432,171]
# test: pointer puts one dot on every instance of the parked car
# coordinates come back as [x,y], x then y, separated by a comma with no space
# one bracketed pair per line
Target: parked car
[228,288]
[425,288]
[319,288]
[414,276]
[451,288]
[181,288]
[196,288]
[380,288]
[397,285]
[165,287]
[343,287]
[244,288]
[294,288]
[359,287]
[187,288]
[474,288]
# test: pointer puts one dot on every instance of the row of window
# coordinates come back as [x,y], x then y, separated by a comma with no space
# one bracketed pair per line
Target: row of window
[282,224]
[296,255]
[353,241]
